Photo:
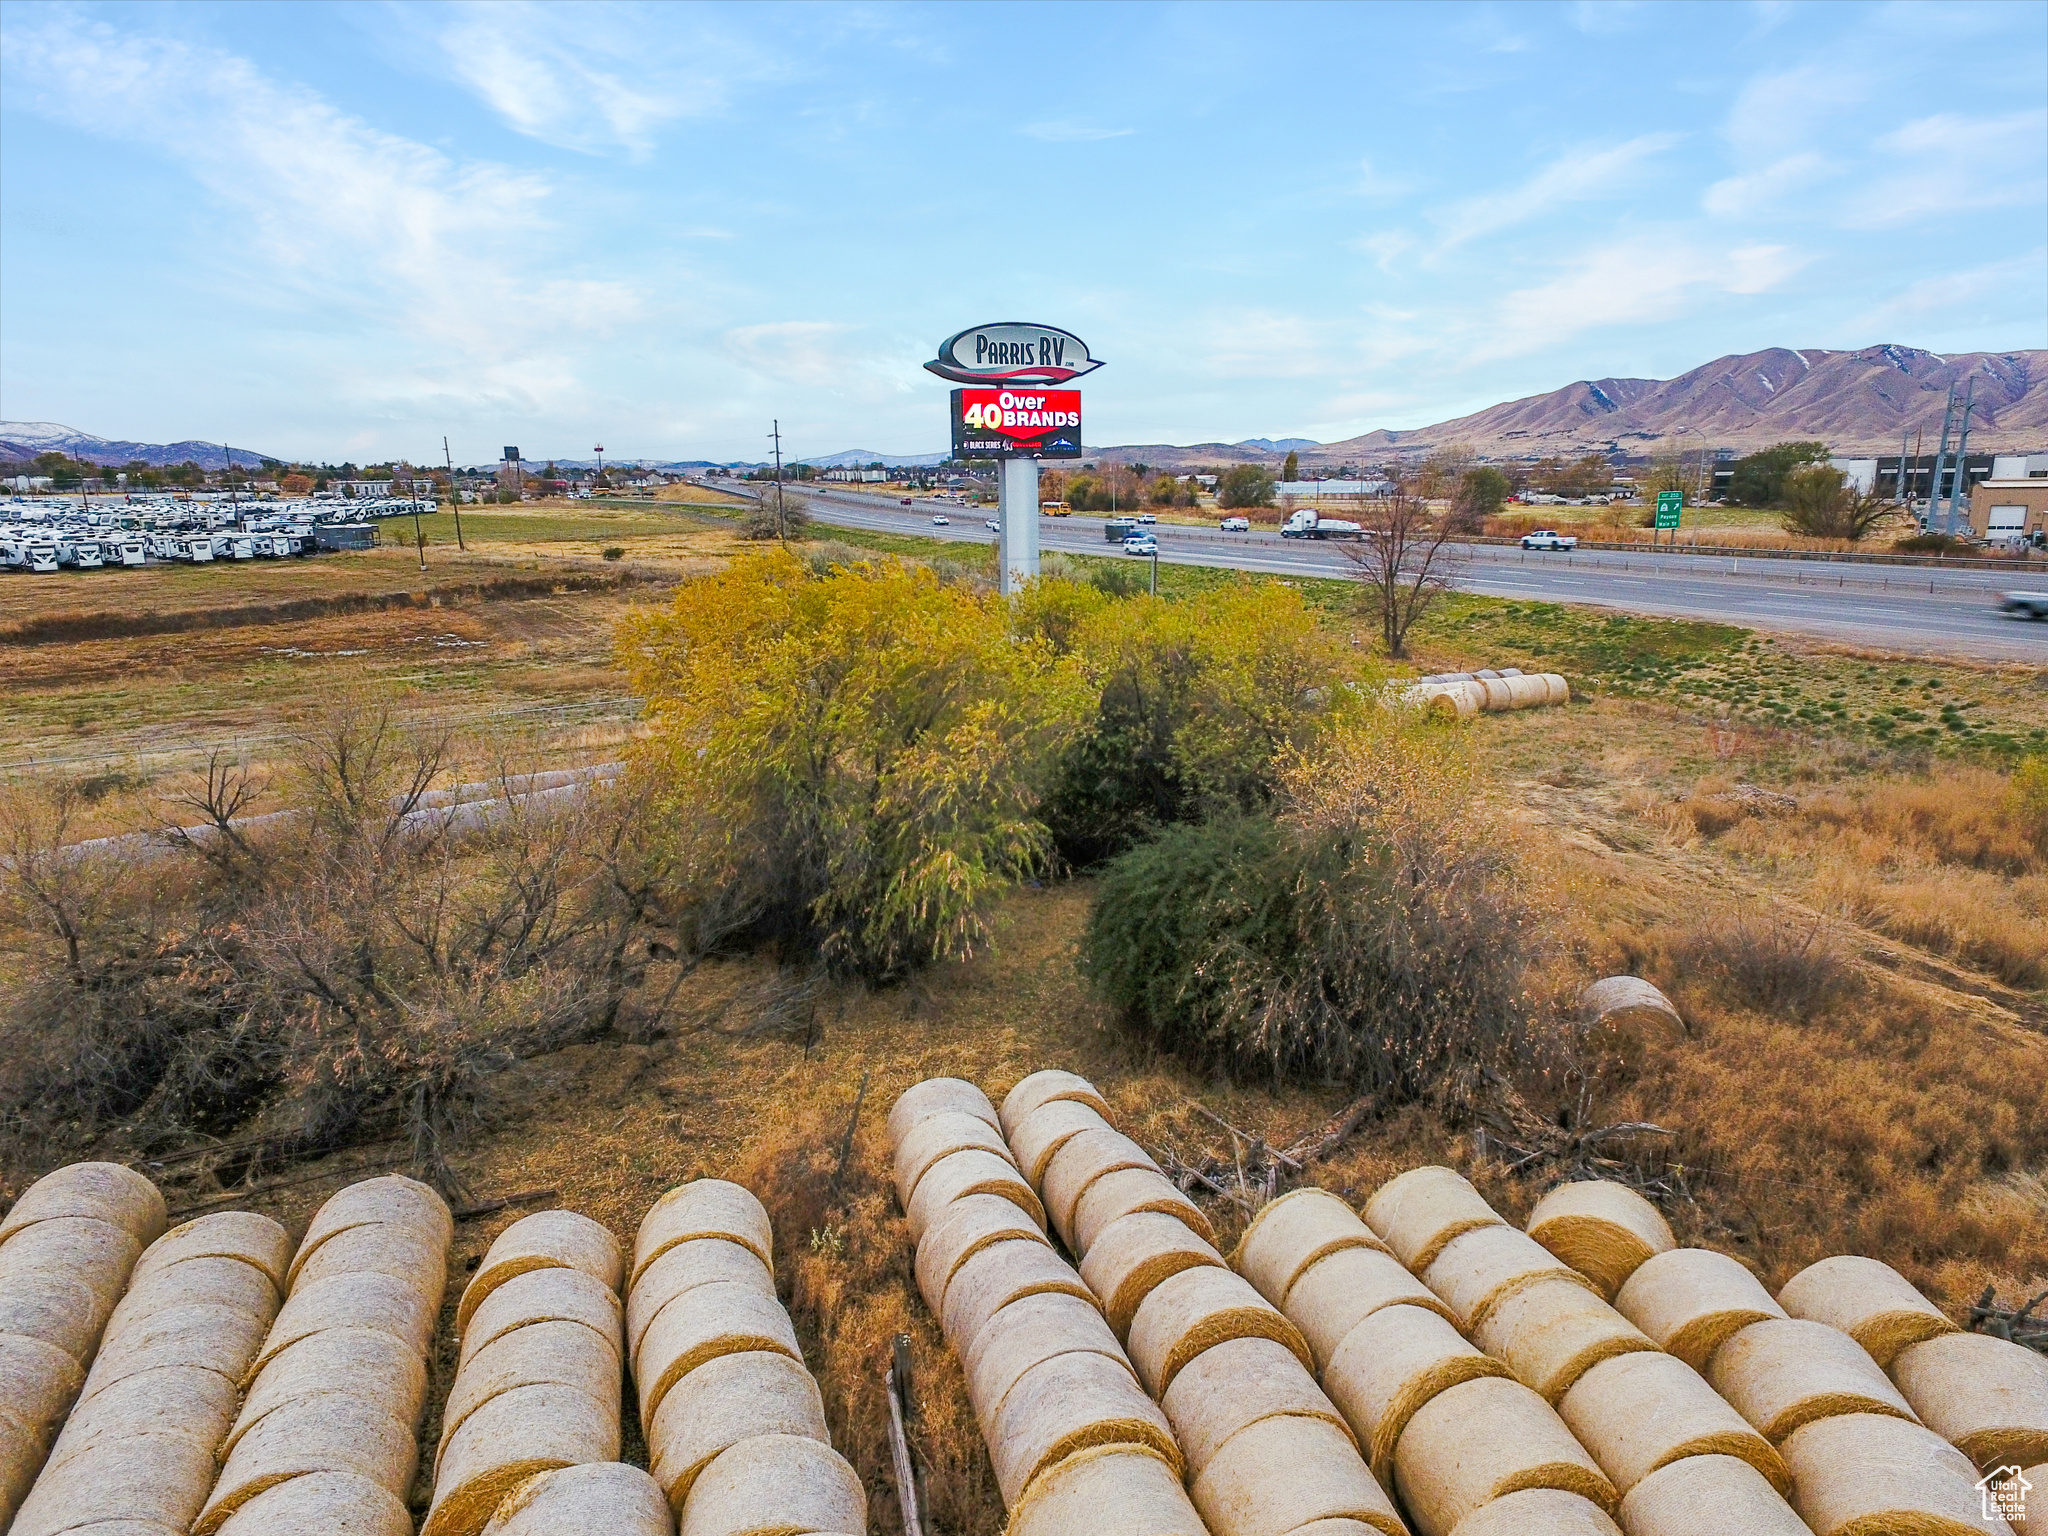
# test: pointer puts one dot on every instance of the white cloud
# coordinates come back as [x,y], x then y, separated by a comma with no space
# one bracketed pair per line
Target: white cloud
[2008,290]
[1642,281]
[1759,192]
[338,216]
[591,76]
[1779,113]
[1598,17]
[1947,163]
[1067,131]
[1373,182]
[825,355]
[1582,175]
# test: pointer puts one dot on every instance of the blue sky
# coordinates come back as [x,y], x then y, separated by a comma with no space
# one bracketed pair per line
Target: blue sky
[344,230]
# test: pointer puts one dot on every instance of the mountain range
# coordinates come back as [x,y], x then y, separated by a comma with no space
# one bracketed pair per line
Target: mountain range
[1860,402]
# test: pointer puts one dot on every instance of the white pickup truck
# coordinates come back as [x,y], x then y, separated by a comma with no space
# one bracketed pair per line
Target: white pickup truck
[1550,538]
[2031,605]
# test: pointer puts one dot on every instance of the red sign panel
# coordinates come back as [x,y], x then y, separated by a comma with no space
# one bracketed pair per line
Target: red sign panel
[1016,423]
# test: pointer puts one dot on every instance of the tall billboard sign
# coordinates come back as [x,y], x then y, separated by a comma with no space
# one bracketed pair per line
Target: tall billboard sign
[1015,406]
[1012,423]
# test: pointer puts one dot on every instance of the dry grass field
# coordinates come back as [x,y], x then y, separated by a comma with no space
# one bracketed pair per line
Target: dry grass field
[1835,883]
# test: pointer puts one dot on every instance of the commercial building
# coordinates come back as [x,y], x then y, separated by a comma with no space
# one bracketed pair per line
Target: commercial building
[2009,509]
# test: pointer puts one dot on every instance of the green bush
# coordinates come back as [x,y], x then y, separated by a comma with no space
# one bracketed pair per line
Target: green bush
[1372,934]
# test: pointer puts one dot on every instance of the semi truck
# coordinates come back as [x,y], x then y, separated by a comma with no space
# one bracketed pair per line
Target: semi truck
[1308,523]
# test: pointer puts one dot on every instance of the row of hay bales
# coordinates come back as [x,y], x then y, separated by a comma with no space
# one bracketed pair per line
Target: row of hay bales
[1462,698]
[227,1384]
[1267,1453]
[1076,1443]
[734,1422]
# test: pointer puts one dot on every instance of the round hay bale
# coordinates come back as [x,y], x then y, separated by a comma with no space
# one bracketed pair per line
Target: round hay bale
[322,1504]
[1291,1233]
[936,1096]
[109,1192]
[1277,1474]
[1495,690]
[196,1282]
[21,1457]
[1538,1512]
[1066,1404]
[1552,1333]
[1418,1213]
[1482,1440]
[1627,1013]
[1692,1300]
[939,1136]
[1125,1190]
[333,1432]
[1526,692]
[2037,1523]
[1637,1413]
[1392,1363]
[1196,1310]
[544,1240]
[1048,1087]
[702,1208]
[701,1261]
[1133,1255]
[82,1249]
[38,1382]
[1602,1229]
[1782,1373]
[1867,1299]
[1859,1474]
[1986,1396]
[180,1402]
[998,1275]
[1560,690]
[701,1325]
[1480,1269]
[546,1354]
[360,1361]
[1048,1128]
[723,1402]
[1027,1332]
[1708,1496]
[57,1309]
[1340,1290]
[391,1198]
[1234,1386]
[210,1337]
[507,1440]
[152,1477]
[959,1232]
[972,1172]
[374,1301]
[775,1484]
[1107,1490]
[243,1235]
[1079,1162]
[599,1498]
[545,1296]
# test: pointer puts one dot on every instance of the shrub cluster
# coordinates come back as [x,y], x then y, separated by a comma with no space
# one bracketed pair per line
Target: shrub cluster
[1373,932]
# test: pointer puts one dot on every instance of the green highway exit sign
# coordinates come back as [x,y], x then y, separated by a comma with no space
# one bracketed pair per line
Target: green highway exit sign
[1669,505]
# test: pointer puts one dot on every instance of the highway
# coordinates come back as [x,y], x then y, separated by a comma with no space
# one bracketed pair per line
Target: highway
[1917,609]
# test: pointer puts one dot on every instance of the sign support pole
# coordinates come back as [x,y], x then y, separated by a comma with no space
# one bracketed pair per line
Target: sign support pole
[1017,544]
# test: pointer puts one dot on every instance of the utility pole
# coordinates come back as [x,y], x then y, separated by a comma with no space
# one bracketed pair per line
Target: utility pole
[234,501]
[454,494]
[419,533]
[1955,480]
[781,530]
[598,449]
[1948,413]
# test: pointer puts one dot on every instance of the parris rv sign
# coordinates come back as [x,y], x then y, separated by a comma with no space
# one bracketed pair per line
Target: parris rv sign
[1013,352]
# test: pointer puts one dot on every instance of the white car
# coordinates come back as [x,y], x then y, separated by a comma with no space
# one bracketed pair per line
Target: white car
[940,520]
[1141,544]
[1236,525]
[1148,517]
[1550,538]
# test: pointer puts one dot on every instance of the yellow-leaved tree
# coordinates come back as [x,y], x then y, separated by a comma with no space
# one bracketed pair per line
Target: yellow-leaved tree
[852,762]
